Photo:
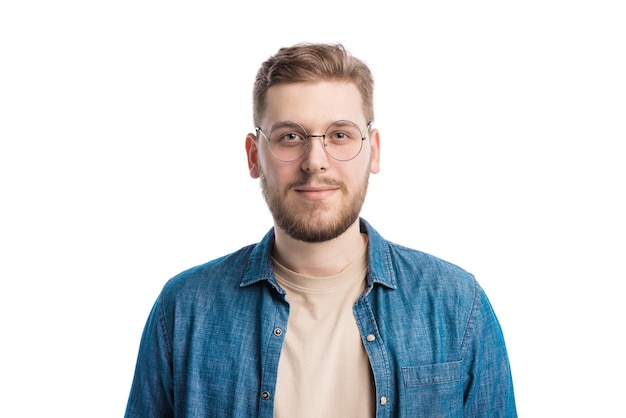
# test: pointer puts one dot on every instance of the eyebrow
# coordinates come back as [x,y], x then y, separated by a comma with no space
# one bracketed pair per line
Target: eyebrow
[344,122]
[283,124]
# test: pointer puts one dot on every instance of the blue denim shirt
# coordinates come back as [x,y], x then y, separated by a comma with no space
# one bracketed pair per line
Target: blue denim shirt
[213,339]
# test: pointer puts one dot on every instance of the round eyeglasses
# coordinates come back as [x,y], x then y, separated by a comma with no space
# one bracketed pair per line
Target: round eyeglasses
[288,141]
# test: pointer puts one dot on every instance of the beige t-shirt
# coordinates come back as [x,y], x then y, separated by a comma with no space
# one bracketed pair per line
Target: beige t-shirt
[324,370]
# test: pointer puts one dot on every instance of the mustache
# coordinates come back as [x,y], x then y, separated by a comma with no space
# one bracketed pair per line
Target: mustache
[321,181]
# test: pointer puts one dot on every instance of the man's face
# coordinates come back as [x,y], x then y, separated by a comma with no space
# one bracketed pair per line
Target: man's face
[314,198]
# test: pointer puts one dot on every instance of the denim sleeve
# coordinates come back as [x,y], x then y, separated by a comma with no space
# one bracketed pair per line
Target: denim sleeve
[151,393]
[489,386]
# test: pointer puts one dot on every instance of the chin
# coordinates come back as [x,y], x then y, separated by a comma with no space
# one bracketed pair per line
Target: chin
[314,229]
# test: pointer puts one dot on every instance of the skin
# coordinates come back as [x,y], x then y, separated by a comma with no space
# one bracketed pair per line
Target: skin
[322,197]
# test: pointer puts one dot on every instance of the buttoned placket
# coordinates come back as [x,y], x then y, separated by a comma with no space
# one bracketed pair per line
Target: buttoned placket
[375,349]
[274,332]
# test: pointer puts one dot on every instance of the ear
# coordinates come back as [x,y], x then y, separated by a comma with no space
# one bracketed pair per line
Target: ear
[252,152]
[375,151]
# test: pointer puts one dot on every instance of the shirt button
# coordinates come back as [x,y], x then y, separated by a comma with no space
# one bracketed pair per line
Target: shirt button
[370,337]
[383,400]
[278,332]
[265,395]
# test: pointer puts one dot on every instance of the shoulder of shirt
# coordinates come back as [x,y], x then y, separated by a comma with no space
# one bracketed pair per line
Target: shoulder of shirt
[401,267]
[417,271]
[222,272]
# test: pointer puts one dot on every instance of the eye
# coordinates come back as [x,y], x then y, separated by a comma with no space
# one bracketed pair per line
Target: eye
[340,136]
[342,133]
[290,136]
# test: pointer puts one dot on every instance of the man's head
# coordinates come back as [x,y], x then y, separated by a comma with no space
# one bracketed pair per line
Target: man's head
[314,147]
[313,62]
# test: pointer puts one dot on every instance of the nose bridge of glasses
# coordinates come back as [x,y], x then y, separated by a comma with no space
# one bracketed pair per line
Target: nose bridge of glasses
[309,136]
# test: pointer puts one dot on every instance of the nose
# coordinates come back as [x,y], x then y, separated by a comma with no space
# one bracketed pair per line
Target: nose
[315,158]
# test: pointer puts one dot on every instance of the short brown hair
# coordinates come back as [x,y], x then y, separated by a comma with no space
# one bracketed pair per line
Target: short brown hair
[313,62]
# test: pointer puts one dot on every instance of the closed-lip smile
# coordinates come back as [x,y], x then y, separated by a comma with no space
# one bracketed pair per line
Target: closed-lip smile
[316,192]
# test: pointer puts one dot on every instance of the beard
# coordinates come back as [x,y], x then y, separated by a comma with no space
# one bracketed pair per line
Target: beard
[317,223]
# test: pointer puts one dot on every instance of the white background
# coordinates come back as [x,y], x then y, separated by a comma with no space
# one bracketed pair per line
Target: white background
[122,126]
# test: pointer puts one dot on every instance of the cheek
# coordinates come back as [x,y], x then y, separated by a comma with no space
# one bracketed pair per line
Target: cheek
[359,173]
[272,175]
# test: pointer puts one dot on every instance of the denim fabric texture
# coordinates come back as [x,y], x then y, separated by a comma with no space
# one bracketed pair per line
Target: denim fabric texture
[212,342]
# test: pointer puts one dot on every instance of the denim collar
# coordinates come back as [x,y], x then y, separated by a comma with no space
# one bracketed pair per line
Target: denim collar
[378,256]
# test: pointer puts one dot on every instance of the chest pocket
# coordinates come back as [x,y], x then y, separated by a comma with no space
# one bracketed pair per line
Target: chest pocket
[432,374]
[433,390]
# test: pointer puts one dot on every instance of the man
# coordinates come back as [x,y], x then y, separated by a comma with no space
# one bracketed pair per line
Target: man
[323,317]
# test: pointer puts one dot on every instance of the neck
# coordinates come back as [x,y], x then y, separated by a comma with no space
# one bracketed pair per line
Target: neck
[320,259]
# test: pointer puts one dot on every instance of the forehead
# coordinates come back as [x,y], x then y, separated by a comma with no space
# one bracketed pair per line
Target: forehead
[313,103]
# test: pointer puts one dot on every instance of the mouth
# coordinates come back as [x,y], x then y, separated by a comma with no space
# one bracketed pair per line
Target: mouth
[317,192]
